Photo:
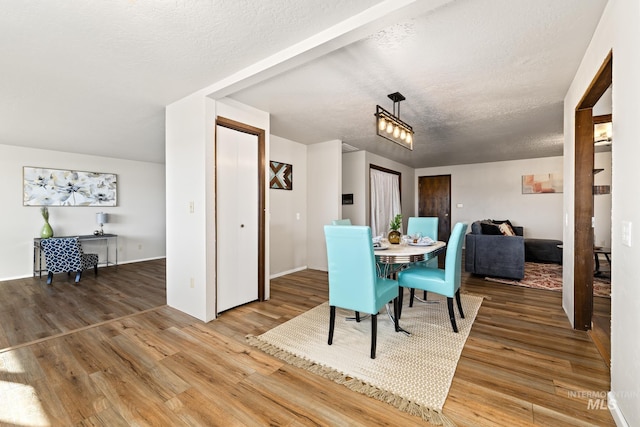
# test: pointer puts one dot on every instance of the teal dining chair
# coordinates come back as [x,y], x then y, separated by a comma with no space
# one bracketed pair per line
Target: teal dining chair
[346,221]
[444,282]
[353,280]
[426,226]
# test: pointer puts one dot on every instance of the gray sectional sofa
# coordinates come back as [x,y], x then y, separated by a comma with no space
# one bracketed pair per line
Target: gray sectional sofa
[489,253]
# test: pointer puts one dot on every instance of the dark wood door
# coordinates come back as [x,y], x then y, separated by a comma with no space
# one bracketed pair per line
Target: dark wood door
[434,199]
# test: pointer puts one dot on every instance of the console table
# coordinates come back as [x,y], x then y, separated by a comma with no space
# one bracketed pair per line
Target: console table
[102,239]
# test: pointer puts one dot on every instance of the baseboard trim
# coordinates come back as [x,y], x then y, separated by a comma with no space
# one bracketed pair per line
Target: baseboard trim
[612,403]
[139,260]
[284,273]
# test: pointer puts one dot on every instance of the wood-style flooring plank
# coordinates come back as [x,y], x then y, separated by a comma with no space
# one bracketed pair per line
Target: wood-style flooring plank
[109,352]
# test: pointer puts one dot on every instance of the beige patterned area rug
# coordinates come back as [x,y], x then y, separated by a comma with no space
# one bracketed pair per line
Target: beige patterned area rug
[412,373]
[549,277]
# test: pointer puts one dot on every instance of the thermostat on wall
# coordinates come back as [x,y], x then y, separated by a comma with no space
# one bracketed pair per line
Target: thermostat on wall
[347,199]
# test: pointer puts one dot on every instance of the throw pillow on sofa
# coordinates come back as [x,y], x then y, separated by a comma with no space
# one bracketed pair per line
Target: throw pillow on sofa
[502,221]
[506,229]
[490,228]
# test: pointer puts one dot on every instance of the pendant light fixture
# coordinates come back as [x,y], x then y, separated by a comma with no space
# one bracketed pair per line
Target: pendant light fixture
[389,125]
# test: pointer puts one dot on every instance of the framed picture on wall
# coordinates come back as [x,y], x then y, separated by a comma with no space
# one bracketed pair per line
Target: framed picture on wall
[281,176]
[542,183]
[57,187]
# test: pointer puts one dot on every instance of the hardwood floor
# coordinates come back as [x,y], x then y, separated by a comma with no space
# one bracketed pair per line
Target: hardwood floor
[601,327]
[32,310]
[144,363]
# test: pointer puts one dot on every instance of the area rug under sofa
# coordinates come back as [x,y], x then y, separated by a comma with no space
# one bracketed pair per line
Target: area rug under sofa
[549,276]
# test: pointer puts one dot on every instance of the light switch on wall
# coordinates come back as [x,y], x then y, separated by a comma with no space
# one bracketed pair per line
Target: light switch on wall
[626,233]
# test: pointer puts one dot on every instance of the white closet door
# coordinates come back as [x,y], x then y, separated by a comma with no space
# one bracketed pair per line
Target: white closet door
[237,211]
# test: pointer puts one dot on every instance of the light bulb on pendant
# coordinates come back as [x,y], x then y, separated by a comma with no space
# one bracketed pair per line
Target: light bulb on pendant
[382,124]
[389,127]
[396,132]
[409,138]
[403,134]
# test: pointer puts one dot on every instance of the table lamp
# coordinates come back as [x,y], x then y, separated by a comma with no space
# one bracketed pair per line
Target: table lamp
[102,218]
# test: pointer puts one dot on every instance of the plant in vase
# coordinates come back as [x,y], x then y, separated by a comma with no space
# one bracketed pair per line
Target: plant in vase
[46,231]
[394,225]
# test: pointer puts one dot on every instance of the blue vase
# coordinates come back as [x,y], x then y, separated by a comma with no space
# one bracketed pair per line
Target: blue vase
[46,231]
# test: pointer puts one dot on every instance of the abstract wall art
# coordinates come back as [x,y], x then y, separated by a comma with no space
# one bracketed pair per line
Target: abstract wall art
[281,176]
[56,187]
[542,183]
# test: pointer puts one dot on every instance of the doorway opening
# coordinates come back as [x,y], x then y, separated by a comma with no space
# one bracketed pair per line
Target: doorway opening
[583,269]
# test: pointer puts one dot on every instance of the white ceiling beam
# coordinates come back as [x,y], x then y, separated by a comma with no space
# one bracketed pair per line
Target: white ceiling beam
[354,28]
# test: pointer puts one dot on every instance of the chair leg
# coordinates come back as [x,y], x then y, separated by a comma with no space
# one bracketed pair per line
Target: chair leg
[78,275]
[397,310]
[412,295]
[424,295]
[398,314]
[95,270]
[374,334]
[452,317]
[49,278]
[332,322]
[357,316]
[459,303]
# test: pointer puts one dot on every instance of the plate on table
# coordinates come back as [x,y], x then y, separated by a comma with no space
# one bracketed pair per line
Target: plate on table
[422,243]
[380,248]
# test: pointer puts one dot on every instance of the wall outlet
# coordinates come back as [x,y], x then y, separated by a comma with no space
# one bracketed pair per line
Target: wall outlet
[192,207]
[140,247]
[192,283]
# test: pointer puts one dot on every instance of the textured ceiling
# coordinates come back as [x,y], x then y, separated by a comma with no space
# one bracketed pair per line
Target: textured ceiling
[94,76]
[484,81]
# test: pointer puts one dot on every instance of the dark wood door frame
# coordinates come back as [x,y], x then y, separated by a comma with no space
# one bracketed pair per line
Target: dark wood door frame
[260,133]
[583,207]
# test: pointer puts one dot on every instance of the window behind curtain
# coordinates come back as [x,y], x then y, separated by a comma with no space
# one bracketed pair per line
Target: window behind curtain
[385,200]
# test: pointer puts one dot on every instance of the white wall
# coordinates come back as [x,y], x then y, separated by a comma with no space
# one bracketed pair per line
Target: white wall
[288,211]
[618,31]
[354,181]
[494,191]
[190,164]
[324,197]
[138,218]
[186,231]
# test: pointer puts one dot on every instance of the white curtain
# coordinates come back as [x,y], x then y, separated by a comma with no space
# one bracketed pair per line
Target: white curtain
[385,200]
